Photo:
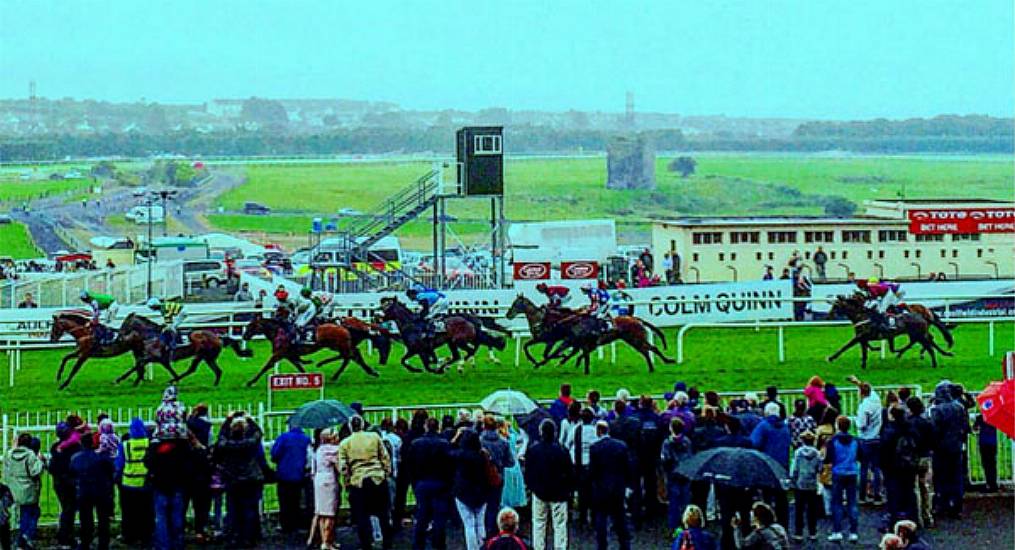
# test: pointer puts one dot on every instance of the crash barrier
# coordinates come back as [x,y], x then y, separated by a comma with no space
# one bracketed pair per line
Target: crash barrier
[128,284]
[273,423]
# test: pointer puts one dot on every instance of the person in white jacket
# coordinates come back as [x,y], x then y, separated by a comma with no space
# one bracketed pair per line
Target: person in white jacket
[868,427]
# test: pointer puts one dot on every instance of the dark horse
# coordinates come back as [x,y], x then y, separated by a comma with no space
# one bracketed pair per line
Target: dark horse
[204,347]
[585,334]
[547,325]
[866,331]
[326,336]
[78,325]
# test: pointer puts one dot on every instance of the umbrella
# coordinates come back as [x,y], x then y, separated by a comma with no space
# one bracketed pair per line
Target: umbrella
[321,414]
[736,467]
[508,402]
[997,403]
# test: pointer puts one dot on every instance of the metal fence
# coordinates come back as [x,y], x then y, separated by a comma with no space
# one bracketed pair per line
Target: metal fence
[128,284]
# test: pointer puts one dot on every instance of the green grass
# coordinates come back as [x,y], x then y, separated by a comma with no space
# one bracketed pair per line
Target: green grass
[12,189]
[16,242]
[720,359]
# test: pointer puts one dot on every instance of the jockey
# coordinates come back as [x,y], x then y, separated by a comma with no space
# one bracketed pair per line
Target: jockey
[883,296]
[430,300]
[557,294]
[172,318]
[599,302]
[99,303]
[307,307]
[283,311]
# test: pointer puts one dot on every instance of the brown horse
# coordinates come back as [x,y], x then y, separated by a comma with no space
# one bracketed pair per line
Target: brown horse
[78,325]
[586,334]
[931,318]
[359,331]
[326,336]
[865,330]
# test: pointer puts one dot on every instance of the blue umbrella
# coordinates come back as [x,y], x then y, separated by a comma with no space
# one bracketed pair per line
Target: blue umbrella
[325,413]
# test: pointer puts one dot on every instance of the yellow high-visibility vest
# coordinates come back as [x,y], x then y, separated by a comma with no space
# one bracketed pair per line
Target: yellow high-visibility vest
[134,470]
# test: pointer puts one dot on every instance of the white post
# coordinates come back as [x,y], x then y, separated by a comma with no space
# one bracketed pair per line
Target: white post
[990,338]
[884,344]
[782,342]
[10,364]
[63,292]
[613,352]
[518,349]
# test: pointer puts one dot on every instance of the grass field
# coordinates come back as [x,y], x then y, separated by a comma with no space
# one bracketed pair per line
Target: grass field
[551,189]
[14,190]
[721,359]
[16,242]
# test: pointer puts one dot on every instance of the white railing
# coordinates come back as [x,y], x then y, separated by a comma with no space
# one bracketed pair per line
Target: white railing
[127,284]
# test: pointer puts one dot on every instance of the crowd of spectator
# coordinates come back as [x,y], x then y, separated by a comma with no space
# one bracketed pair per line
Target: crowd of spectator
[574,465]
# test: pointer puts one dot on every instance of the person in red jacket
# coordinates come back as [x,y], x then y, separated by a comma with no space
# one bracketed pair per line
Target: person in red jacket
[557,294]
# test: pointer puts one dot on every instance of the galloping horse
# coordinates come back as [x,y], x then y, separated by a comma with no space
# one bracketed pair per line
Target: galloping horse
[931,318]
[585,334]
[204,347]
[326,336]
[359,331]
[544,324]
[78,325]
[865,331]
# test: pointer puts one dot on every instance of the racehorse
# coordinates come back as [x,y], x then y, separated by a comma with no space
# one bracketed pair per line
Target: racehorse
[326,336]
[865,331]
[79,327]
[545,325]
[204,346]
[359,331]
[585,334]
[932,318]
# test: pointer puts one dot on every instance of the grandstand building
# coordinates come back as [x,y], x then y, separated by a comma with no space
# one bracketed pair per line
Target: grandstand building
[898,239]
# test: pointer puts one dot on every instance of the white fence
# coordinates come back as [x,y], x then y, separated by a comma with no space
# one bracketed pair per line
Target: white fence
[128,284]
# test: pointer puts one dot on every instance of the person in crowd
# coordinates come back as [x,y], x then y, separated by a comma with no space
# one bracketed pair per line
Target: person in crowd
[327,491]
[800,422]
[568,423]
[408,433]
[514,494]
[429,466]
[826,430]
[557,295]
[890,541]
[746,412]
[289,453]
[198,488]
[986,440]
[951,426]
[772,437]
[677,449]
[907,532]
[365,465]
[841,453]
[693,533]
[627,429]
[237,452]
[393,444]
[549,473]
[815,392]
[28,302]
[243,294]
[109,442]
[507,536]
[900,459]
[820,259]
[868,426]
[785,276]
[170,422]
[651,433]
[471,485]
[769,274]
[6,502]
[767,533]
[136,506]
[169,465]
[63,483]
[560,406]
[578,443]
[22,474]
[611,471]
[501,456]
[667,266]
[772,396]
[923,430]
[93,474]
[199,424]
[804,478]
[592,401]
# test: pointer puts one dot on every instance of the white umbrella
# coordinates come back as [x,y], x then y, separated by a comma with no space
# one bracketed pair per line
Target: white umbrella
[508,402]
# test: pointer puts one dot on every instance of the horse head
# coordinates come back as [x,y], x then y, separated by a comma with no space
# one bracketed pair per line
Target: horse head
[519,306]
[257,325]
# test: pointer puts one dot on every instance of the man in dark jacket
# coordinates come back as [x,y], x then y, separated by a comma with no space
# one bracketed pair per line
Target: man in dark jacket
[502,458]
[900,459]
[169,466]
[610,469]
[951,427]
[676,449]
[923,430]
[241,457]
[289,453]
[63,483]
[771,436]
[549,473]
[93,480]
[651,433]
[431,470]
[626,427]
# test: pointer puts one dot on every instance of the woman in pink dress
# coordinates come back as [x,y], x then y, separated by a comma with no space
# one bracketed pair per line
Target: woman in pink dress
[327,490]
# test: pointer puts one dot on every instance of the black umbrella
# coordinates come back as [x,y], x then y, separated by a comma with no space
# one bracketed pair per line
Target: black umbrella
[325,413]
[736,467]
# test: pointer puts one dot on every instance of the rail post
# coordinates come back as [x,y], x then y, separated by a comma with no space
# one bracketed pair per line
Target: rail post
[782,344]
[680,343]
[518,349]
[10,364]
[990,338]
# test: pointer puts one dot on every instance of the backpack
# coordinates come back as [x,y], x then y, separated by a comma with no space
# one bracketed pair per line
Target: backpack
[907,457]
[686,541]
[493,475]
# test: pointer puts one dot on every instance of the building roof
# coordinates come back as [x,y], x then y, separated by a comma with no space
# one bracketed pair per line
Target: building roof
[940,201]
[775,221]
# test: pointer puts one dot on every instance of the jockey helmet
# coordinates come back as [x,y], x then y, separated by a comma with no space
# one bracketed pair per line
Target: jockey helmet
[873,281]
[154,303]
[306,292]
[85,295]
[541,287]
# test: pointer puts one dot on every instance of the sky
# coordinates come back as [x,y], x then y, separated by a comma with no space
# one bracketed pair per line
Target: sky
[819,59]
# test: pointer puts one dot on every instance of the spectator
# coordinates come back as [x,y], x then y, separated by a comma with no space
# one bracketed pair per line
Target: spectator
[820,259]
[237,451]
[647,260]
[785,274]
[950,428]
[168,461]
[804,477]
[769,275]
[986,440]
[327,491]
[6,501]
[262,295]
[513,495]
[890,542]
[868,426]
[289,453]
[767,534]
[393,443]
[198,423]
[627,429]
[198,488]
[93,480]
[906,531]
[610,471]
[622,396]
[800,422]
[136,506]
[651,433]
[549,472]
[561,405]
[832,394]
[693,534]
[667,266]
[471,485]
[28,302]
[63,484]
[403,479]
[747,413]
[570,422]
[431,471]
[366,466]
[501,457]
[923,430]
[771,437]
[593,399]
[841,453]
[772,396]
[676,449]
[815,392]
[22,474]
[506,538]
[579,444]
[243,294]
[109,442]
[110,264]
[825,432]
[900,459]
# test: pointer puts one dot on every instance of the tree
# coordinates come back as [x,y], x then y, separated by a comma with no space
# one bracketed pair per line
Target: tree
[684,165]
[267,113]
[840,207]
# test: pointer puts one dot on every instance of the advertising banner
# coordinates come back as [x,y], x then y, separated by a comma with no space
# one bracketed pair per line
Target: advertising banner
[579,270]
[961,220]
[531,271]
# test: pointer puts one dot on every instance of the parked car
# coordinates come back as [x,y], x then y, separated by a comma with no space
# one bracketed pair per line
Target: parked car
[210,273]
[256,209]
[5,219]
[349,212]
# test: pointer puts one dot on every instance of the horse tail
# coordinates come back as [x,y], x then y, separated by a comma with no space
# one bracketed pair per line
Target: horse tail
[941,326]
[490,340]
[493,325]
[656,330]
[234,345]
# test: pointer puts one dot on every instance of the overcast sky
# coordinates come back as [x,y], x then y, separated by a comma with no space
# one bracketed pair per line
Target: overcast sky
[807,58]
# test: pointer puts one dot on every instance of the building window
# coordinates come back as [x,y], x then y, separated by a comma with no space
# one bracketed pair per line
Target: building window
[845,255]
[818,236]
[944,253]
[771,256]
[831,254]
[979,252]
[722,257]
[881,254]
[487,145]
[673,245]
[965,237]
[856,236]
[918,254]
[758,256]
[733,256]
[694,257]
[955,253]
[905,254]
[891,236]
[937,238]
[706,238]
[781,237]
[744,237]
[870,254]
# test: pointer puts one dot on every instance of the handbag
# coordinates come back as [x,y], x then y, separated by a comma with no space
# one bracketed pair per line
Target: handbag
[493,475]
[825,476]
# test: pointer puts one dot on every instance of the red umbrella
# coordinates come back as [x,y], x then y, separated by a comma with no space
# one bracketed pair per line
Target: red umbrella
[997,403]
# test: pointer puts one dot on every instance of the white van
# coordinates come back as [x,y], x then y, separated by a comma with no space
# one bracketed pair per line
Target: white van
[139,214]
[209,273]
